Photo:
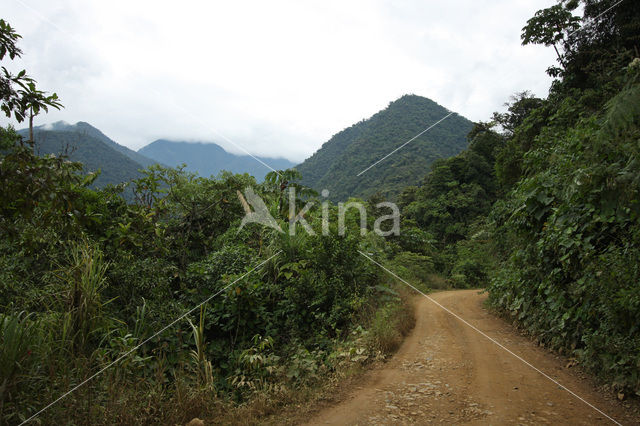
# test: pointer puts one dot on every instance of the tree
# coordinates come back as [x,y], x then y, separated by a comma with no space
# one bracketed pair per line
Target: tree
[550,27]
[32,188]
[520,106]
[278,182]
[521,124]
[18,93]
[36,191]
[457,190]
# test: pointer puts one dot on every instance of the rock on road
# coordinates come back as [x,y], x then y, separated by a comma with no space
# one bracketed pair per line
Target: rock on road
[447,373]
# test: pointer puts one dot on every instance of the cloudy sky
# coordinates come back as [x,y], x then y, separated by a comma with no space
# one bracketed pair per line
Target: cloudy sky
[276,78]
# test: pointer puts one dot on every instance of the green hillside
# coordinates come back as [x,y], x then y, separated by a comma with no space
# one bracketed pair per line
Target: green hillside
[88,130]
[336,165]
[92,152]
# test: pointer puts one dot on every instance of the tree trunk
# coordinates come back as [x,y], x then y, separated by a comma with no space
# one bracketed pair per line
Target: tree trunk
[564,67]
[33,144]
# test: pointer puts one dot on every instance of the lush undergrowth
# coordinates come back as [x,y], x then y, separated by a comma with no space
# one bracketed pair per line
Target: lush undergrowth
[543,207]
[169,306]
[544,204]
[571,222]
[89,280]
[269,395]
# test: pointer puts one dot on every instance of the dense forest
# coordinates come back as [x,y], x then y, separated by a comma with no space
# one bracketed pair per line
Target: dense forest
[570,223]
[87,277]
[337,165]
[164,306]
[543,205]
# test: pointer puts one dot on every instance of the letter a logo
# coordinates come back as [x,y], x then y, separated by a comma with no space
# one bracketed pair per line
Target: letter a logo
[260,214]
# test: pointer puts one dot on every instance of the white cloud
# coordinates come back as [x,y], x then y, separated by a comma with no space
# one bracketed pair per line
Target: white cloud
[278,78]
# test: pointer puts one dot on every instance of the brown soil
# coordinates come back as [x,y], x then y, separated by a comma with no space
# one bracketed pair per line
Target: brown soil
[447,373]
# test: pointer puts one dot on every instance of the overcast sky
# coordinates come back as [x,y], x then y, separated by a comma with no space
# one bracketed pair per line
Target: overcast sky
[277,78]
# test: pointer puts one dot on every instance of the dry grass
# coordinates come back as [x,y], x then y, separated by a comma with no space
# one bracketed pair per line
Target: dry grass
[391,323]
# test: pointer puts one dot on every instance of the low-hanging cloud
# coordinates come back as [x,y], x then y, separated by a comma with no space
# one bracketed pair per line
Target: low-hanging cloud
[276,78]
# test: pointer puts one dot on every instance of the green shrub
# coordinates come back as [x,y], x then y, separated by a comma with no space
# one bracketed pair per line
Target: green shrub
[572,277]
[415,268]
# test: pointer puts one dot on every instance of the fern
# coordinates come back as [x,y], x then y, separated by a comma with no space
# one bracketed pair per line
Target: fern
[622,113]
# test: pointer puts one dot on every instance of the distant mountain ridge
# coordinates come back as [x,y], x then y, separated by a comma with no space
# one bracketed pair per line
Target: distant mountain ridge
[87,129]
[88,145]
[208,159]
[336,164]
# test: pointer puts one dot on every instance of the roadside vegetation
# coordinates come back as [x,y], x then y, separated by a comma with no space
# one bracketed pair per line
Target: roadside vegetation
[88,276]
[544,205]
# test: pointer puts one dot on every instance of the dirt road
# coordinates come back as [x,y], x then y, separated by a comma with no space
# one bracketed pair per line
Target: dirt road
[447,373]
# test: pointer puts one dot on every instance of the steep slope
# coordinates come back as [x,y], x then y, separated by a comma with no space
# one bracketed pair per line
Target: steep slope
[209,159]
[336,164]
[87,129]
[92,152]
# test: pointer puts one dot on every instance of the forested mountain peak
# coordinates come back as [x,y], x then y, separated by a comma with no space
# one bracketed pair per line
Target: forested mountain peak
[84,143]
[86,129]
[336,164]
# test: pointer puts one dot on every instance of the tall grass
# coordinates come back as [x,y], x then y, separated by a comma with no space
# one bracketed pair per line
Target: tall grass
[19,339]
[85,280]
[203,367]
